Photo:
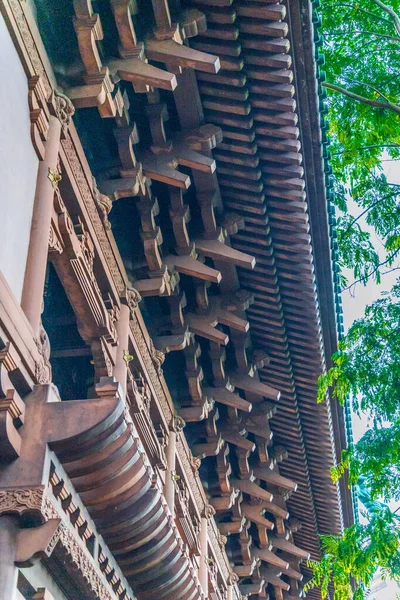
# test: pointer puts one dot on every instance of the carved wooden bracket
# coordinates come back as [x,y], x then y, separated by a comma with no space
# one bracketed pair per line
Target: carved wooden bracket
[12,409]
[39,114]
[36,542]
[96,315]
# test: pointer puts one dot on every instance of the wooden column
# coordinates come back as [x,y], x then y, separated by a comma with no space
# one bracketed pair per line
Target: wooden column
[203,569]
[169,490]
[120,369]
[176,427]
[8,570]
[61,109]
[35,272]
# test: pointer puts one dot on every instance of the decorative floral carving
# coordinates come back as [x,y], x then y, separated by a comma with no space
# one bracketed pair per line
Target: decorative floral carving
[222,539]
[49,511]
[150,368]
[43,372]
[87,245]
[133,298]
[63,107]
[195,463]
[54,540]
[233,579]
[209,511]
[177,424]
[83,560]
[104,204]
[158,358]
[21,500]
[91,206]
[55,244]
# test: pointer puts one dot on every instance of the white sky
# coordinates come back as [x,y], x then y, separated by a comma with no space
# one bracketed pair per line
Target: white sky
[353,308]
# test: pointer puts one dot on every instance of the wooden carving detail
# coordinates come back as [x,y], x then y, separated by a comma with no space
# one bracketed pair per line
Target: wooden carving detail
[12,408]
[96,315]
[43,367]
[87,195]
[63,108]
[20,501]
[33,543]
[103,203]
[82,560]
[39,114]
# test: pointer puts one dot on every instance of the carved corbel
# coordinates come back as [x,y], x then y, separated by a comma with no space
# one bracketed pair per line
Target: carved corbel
[158,358]
[197,412]
[172,343]
[232,223]
[133,65]
[35,543]
[132,298]
[122,10]
[97,90]
[177,424]
[12,408]
[131,181]
[204,138]
[205,326]
[192,22]
[103,203]
[89,31]
[209,511]
[233,579]
[62,108]
[211,448]
[39,114]
[96,316]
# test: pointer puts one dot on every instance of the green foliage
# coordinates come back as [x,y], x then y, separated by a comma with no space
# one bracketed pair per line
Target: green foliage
[361,47]
[355,556]
[375,457]
[367,365]
[367,368]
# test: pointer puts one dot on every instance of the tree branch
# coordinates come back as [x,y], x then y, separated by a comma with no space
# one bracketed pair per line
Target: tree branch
[368,275]
[369,148]
[375,103]
[368,85]
[367,12]
[391,12]
[350,225]
[380,35]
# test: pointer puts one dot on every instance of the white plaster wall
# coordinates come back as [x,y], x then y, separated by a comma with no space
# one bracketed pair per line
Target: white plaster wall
[18,165]
[39,577]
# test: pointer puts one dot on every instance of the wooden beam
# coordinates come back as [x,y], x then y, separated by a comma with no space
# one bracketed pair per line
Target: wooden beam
[274,478]
[172,53]
[287,546]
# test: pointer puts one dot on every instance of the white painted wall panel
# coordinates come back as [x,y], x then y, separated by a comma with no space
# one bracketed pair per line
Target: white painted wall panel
[18,165]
